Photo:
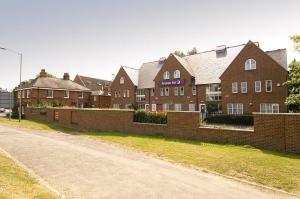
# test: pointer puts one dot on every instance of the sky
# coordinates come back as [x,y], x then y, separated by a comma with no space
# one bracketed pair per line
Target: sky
[95,38]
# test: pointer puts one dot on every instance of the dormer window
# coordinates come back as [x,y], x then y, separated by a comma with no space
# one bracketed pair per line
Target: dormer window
[250,64]
[176,74]
[122,80]
[166,75]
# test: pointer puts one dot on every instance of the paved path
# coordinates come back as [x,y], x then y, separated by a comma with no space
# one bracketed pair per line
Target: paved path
[84,168]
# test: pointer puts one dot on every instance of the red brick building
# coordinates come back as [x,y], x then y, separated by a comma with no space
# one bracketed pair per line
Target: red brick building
[241,79]
[53,92]
[100,90]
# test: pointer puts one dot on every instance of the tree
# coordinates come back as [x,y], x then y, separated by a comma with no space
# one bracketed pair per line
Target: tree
[212,107]
[296,40]
[293,83]
[48,75]
[179,53]
[193,51]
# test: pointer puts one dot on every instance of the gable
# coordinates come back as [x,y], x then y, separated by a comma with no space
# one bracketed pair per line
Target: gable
[252,51]
[121,73]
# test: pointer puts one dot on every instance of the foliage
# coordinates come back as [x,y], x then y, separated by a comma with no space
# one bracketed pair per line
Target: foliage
[133,106]
[179,53]
[193,51]
[41,104]
[48,75]
[150,117]
[293,83]
[245,120]
[296,40]
[56,103]
[212,107]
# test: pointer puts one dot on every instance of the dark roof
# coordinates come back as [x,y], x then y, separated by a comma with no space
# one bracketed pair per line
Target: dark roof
[53,83]
[94,84]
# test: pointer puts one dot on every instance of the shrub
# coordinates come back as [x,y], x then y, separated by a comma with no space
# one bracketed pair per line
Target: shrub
[150,117]
[246,120]
[212,107]
[56,103]
[41,104]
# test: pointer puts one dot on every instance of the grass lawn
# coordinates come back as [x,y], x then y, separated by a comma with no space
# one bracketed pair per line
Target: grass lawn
[16,183]
[269,168]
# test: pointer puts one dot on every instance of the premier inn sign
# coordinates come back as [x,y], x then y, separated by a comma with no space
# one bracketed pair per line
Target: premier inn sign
[171,82]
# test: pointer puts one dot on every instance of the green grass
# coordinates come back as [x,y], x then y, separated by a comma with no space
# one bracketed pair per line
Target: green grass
[16,183]
[265,167]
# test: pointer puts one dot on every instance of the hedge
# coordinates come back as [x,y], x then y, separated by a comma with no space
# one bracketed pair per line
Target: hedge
[150,117]
[246,120]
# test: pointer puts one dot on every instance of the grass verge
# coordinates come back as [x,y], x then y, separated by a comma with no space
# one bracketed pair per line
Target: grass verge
[275,169]
[16,183]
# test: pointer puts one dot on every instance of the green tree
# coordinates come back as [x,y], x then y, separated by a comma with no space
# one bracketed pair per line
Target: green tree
[293,83]
[296,40]
[179,53]
[193,51]
[212,107]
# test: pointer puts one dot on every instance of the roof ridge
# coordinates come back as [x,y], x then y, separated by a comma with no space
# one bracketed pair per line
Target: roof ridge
[275,50]
[92,78]
[130,67]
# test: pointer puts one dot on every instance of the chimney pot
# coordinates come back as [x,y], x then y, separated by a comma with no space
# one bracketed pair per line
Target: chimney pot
[43,73]
[66,76]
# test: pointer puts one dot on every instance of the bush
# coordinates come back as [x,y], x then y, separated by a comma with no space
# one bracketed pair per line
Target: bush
[212,107]
[41,104]
[150,117]
[246,120]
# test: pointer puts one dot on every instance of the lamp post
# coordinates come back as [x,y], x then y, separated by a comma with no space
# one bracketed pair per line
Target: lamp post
[20,59]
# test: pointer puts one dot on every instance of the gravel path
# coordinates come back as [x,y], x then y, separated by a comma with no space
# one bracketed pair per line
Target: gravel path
[83,168]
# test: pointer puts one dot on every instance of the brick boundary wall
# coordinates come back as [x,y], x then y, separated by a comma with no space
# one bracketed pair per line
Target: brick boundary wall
[280,132]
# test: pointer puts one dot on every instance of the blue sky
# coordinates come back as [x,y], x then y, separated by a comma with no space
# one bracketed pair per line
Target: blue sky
[94,37]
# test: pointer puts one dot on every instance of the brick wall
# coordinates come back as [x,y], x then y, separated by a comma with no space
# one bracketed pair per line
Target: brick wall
[279,132]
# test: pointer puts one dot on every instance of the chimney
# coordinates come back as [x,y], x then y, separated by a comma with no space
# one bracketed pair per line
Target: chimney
[43,73]
[66,76]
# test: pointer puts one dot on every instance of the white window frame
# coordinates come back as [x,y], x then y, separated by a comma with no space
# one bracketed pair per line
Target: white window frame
[194,90]
[122,80]
[153,107]
[234,87]
[177,107]
[266,86]
[166,75]
[250,64]
[127,93]
[176,74]
[192,107]
[80,95]
[28,93]
[166,107]
[235,108]
[167,91]
[116,106]
[244,88]
[66,92]
[161,92]
[23,93]
[181,90]
[257,85]
[124,93]
[47,94]
[176,91]
[269,108]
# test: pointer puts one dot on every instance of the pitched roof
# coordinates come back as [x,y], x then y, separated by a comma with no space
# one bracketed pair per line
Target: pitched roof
[93,84]
[279,56]
[147,73]
[185,64]
[133,74]
[54,83]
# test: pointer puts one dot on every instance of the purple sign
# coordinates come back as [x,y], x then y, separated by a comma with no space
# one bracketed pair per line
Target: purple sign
[171,82]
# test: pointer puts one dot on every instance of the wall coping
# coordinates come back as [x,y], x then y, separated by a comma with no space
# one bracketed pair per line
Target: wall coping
[82,109]
[227,129]
[150,124]
[258,113]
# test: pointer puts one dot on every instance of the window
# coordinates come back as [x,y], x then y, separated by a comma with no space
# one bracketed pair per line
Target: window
[194,90]
[152,92]
[28,94]
[23,93]
[166,107]
[128,106]
[235,109]
[176,74]
[257,86]
[122,80]
[268,85]
[95,98]
[49,93]
[66,94]
[80,95]
[177,107]
[19,94]
[166,75]
[124,93]
[234,87]
[167,91]
[250,64]
[269,108]
[127,93]
[153,107]
[140,95]
[161,91]
[181,90]
[175,91]
[243,87]
[116,105]
[213,92]
[116,94]
[192,107]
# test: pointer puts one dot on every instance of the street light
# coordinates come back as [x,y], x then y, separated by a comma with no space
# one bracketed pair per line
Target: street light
[20,54]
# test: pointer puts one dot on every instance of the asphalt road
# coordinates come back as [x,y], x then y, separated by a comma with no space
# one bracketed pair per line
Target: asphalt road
[83,168]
